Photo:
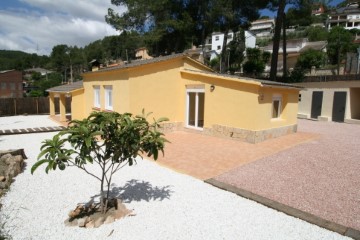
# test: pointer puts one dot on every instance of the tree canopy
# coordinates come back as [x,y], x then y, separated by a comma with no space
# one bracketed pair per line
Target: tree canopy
[172,26]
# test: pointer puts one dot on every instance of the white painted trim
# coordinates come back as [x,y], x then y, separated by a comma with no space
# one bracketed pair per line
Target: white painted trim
[193,90]
[109,100]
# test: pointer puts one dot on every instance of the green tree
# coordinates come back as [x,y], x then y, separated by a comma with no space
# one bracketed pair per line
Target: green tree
[171,26]
[59,57]
[255,65]
[339,43]
[44,83]
[300,13]
[108,139]
[316,33]
[229,15]
[236,50]
[167,25]
[310,58]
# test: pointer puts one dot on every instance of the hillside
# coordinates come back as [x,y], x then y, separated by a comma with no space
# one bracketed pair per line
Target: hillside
[20,60]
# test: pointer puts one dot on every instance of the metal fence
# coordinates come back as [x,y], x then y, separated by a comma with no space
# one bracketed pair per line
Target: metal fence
[331,78]
[29,105]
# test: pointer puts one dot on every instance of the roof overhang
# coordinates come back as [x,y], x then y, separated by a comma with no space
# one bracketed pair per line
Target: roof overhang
[244,80]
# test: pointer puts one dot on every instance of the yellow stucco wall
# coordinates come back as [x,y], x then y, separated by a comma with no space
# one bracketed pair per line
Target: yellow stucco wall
[161,88]
[237,104]
[77,103]
[289,107]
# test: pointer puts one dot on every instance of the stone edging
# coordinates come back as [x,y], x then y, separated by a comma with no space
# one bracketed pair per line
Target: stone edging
[31,130]
[329,225]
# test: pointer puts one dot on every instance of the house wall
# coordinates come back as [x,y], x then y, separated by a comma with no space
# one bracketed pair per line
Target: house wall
[328,89]
[161,89]
[117,79]
[238,105]
[77,100]
[250,40]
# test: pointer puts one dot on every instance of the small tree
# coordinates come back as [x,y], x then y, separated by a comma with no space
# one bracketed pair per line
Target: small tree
[255,65]
[310,58]
[109,139]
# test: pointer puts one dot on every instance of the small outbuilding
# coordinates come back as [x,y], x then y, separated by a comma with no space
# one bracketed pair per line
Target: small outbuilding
[192,96]
[331,99]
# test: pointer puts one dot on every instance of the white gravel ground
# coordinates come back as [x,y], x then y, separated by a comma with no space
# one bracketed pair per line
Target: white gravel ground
[168,205]
[30,121]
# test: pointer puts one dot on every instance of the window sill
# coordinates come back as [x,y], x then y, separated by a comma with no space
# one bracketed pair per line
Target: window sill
[194,128]
[96,108]
[108,110]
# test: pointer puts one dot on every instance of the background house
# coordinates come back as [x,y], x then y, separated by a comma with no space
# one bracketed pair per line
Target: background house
[263,27]
[214,44]
[192,96]
[142,54]
[347,17]
[294,47]
[11,84]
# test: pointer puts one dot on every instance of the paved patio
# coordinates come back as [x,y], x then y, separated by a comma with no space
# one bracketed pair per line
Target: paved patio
[205,157]
[316,170]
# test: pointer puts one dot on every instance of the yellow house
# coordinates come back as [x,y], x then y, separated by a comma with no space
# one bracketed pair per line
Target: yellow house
[191,95]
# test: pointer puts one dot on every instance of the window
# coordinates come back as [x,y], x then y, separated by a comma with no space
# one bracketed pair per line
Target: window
[108,98]
[216,38]
[276,107]
[96,96]
[12,86]
[3,85]
[229,36]
[218,47]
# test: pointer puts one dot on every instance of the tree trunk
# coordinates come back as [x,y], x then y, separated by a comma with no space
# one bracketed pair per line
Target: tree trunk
[276,41]
[223,51]
[284,48]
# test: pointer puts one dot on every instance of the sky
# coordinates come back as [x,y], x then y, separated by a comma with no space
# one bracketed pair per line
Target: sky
[36,26]
[272,14]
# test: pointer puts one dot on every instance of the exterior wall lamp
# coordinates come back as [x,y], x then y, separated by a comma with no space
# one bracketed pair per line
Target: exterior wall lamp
[212,88]
[261,96]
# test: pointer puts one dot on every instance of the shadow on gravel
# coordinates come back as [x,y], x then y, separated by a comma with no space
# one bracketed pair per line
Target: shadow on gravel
[135,190]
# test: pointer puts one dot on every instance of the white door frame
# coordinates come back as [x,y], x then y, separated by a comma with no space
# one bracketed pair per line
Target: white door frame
[193,90]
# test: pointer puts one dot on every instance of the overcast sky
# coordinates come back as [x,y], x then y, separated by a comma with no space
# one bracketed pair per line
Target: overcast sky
[35,26]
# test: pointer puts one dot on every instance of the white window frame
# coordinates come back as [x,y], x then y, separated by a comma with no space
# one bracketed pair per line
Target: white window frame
[194,90]
[279,112]
[108,97]
[97,103]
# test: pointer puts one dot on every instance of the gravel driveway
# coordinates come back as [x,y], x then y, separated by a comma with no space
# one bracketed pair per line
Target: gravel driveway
[321,177]
[168,205]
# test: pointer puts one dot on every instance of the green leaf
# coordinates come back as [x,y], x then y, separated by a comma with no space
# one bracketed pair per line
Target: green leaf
[37,164]
[163,119]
